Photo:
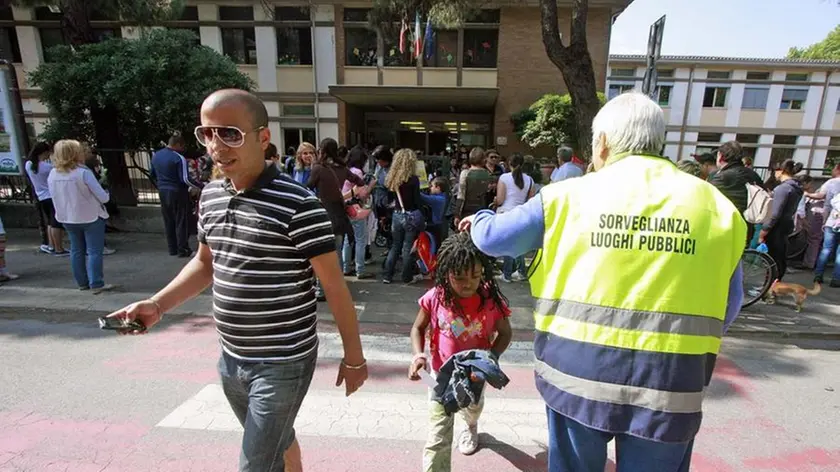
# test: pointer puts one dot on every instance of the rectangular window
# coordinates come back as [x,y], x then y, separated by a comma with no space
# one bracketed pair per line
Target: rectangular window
[298,110]
[240,45]
[617,89]
[50,37]
[785,139]
[294,46]
[45,14]
[445,50]
[102,34]
[481,48]
[291,13]
[236,13]
[747,138]
[793,99]
[663,94]
[718,74]
[9,45]
[189,14]
[755,98]
[715,97]
[6,14]
[834,141]
[832,158]
[393,57]
[709,137]
[360,45]
[356,14]
[758,76]
[622,72]
[664,73]
[485,16]
[796,77]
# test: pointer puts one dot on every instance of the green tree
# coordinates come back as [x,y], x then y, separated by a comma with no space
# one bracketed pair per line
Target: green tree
[828,48]
[76,28]
[551,121]
[155,83]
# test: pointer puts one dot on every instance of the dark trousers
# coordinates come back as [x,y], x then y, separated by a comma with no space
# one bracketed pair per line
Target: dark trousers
[777,245]
[175,207]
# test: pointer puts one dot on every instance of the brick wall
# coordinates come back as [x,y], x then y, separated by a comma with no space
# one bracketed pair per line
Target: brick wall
[526,73]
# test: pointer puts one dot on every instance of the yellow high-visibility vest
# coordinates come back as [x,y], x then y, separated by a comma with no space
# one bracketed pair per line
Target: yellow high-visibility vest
[631,291]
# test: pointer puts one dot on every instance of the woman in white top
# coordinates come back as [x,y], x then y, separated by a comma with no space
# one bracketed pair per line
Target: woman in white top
[38,169]
[79,206]
[514,189]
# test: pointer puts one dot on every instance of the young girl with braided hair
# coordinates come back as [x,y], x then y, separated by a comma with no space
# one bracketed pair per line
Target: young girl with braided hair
[464,310]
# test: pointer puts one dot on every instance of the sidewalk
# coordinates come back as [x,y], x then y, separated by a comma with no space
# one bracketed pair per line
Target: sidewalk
[141,266]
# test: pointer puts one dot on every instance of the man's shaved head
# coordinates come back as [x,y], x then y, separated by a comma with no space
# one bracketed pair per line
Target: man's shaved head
[253,106]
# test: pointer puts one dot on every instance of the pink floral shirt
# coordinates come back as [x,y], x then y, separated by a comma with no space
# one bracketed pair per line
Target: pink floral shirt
[451,334]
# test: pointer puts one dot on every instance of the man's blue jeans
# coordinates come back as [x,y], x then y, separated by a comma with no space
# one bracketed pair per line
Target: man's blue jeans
[361,236]
[266,398]
[829,245]
[573,447]
[87,240]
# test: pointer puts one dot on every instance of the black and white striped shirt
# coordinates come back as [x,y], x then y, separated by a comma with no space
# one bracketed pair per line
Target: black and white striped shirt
[262,240]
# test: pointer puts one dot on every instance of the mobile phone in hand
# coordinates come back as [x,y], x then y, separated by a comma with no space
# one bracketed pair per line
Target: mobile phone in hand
[121,324]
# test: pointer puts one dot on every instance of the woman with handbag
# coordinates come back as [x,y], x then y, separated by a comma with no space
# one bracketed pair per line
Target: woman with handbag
[408,221]
[327,179]
[358,210]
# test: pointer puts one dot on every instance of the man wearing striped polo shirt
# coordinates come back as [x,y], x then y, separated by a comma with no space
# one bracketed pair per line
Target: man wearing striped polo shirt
[262,237]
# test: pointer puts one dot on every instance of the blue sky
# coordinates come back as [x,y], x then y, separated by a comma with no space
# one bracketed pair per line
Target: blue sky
[748,28]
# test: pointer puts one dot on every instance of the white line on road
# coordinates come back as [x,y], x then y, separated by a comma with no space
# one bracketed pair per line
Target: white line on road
[397,416]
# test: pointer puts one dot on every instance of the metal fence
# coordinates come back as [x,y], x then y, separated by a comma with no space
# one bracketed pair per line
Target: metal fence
[16,188]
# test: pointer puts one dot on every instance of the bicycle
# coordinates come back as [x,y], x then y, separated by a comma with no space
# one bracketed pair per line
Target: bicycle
[759,274]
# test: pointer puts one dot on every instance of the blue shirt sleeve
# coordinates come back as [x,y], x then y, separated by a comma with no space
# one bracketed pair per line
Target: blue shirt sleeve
[736,297]
[512,233]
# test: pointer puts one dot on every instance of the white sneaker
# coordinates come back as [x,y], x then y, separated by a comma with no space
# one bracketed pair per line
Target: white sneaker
[468,441]
[108,251]
[516,277]
[503,278]
[46,249]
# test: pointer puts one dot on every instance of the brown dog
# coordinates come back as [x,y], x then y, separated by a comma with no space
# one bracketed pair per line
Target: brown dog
[800,293]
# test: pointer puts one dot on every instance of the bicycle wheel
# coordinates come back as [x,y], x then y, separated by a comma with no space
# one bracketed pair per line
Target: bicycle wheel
[759,274]
[797,245]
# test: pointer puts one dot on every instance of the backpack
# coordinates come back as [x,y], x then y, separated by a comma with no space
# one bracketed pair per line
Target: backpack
[759,203]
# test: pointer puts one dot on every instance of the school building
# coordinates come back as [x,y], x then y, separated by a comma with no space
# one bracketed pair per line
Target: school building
[317,69]
[776,108]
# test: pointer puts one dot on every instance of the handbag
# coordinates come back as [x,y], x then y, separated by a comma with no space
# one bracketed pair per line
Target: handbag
[414,219]
[352,207]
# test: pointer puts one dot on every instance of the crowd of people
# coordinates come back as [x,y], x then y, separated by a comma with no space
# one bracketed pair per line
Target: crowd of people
[796,206]
[625,344]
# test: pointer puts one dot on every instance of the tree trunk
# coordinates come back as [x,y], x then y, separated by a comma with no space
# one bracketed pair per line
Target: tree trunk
[76,27]
[575,64]
[580,81]
[110,147]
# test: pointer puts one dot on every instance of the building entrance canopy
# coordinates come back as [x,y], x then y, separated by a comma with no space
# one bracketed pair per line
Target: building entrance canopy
[418,99]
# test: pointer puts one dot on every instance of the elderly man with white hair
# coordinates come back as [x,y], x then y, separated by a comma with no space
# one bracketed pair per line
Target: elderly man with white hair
[637,279]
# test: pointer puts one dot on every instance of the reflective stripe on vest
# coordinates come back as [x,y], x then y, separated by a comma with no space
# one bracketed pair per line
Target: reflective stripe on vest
[629,329]
[631,295]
